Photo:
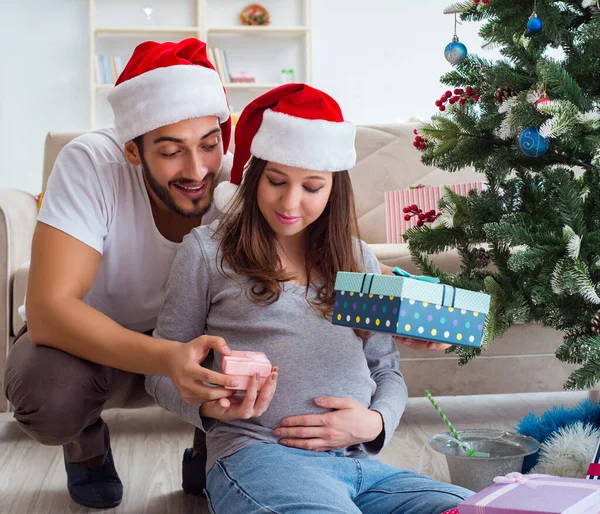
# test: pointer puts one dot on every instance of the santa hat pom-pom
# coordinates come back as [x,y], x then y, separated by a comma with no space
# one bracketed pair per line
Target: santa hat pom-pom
[224,194]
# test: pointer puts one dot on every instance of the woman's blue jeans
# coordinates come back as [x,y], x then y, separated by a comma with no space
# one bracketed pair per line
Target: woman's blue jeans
[270,478]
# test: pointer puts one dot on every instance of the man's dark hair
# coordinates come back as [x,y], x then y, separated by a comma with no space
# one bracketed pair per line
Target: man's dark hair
[139,142]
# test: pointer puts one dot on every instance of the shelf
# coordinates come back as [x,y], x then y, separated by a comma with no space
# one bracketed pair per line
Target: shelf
[146,30]
[251,85]
[257,30]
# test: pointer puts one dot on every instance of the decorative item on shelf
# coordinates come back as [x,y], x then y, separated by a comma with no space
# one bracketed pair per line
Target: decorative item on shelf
[148,10]
[287,76]
[455,51]
[242,77]
[532,143]
[460,96]
[534,24]
[254,14]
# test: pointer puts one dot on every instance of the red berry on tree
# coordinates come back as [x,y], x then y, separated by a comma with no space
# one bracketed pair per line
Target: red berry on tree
[405,210]
[438,102]
[407,217]
[469,91]
[442,108]
[416,132]
[416,144]
[476,98]
[420,223]
[462,101]
[414,207]
[448,94]
[422,147]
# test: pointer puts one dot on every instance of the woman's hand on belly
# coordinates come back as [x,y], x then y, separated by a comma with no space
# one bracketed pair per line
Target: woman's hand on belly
[348,424]
[251,405]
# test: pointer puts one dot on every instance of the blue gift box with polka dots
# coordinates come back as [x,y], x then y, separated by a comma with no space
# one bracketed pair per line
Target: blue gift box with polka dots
[417,307]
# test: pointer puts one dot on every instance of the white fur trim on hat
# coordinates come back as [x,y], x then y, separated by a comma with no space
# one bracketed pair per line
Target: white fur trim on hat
[223,195]
[164,96]
[316,145]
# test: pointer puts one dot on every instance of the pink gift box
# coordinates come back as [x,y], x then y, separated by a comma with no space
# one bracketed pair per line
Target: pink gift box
[426,198]
[539,494]
[243,365]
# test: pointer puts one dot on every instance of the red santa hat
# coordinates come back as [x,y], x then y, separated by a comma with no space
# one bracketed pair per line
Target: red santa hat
[295,125]
[165,83]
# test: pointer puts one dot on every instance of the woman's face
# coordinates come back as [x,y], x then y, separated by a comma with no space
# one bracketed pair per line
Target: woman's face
[291,198]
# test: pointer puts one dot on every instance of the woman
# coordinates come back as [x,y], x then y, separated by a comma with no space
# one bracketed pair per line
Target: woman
[263,279]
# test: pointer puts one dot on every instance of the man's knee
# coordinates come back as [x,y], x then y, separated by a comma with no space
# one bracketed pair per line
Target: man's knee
[53,393]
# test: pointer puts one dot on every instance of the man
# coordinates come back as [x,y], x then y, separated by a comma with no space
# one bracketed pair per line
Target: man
[118,203]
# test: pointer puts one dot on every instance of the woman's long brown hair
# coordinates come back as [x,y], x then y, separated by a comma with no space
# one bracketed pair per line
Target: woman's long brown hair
[248,243]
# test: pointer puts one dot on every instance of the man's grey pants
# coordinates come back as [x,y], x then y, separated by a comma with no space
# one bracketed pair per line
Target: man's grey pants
[59,398]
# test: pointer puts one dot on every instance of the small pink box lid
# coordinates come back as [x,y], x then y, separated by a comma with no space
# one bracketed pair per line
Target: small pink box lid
[245,363]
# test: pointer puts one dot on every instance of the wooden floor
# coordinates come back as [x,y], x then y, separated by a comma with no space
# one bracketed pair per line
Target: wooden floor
[148,445]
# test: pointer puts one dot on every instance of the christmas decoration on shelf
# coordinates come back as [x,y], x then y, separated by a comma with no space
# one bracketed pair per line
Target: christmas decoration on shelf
[532,143]
[535,138]
[254,14]
[423,217]
[534,24]
[460,96]
[455,51]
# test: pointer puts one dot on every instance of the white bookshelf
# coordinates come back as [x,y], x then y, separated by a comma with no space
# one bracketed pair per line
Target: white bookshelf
[117,26]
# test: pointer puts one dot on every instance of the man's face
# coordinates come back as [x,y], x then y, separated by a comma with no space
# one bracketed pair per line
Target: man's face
[181,163]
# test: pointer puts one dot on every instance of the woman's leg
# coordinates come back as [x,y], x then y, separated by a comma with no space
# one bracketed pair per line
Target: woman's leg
[269,478]
[389,490]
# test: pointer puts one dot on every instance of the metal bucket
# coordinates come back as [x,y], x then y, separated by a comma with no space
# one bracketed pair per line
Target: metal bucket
[506,453]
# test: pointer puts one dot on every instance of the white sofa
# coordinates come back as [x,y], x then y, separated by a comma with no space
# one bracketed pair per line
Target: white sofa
[386,160]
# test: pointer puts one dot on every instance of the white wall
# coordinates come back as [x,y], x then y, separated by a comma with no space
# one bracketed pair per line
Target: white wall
[381,60]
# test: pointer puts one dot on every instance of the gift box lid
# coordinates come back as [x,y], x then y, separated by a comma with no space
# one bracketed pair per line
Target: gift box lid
[245,363]
[540,494]
[422,289]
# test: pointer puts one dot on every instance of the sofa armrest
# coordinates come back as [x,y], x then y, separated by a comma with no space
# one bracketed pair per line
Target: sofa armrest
[18,214]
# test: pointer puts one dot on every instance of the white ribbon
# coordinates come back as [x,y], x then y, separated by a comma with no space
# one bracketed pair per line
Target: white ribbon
[514,480]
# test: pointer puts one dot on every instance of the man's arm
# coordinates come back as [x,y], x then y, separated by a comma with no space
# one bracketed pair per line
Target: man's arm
[62,272]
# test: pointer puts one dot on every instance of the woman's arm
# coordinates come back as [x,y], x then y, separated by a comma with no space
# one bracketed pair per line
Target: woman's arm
[183,318]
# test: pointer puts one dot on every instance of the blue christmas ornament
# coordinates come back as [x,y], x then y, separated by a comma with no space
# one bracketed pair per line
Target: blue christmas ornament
[534,24]
[532,143]
[455,52]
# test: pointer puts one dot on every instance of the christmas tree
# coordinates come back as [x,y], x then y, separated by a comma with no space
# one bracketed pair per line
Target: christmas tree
[531,124]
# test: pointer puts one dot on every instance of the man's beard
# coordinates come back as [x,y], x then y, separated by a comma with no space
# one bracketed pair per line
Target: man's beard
[166,196]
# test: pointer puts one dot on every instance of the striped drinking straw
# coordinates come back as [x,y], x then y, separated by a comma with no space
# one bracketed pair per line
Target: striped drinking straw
[455,433]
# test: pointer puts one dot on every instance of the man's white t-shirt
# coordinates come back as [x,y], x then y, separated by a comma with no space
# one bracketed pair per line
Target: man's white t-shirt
[95,195]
